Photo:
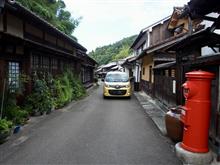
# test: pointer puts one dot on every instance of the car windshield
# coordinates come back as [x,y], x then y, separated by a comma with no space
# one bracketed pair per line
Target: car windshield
[116,77]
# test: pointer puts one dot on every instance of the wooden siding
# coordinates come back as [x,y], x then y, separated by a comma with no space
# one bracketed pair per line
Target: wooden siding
[33,30]
[74,51]
[141,42]
[50,38]
[19,49]
[159,33]
[164,88]
[14,25]
[68,46]
[1,23]
[60,43]
[2,72]
[147,87]
[166,33]
[156,38]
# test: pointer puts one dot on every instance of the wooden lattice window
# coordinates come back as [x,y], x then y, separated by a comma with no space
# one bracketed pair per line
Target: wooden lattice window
[61,65]
[54,64]
[13,76]
[45,62]
[35,61]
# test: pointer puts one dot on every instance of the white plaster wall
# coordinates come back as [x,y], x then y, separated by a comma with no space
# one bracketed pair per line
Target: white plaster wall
[208,51]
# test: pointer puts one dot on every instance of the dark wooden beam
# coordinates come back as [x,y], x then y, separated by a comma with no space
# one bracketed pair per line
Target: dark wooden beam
[5,22]
[215,25]
[209,18]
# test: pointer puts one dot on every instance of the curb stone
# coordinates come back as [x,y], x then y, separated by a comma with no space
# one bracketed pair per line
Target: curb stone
[153,110]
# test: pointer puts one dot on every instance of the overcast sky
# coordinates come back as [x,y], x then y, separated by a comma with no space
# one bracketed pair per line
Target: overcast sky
[107,21]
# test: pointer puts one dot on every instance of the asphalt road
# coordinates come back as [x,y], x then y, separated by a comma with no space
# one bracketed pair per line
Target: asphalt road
[91,131]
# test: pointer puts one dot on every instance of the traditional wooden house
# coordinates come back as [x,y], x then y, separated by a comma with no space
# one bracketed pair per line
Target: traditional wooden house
[87,71]
[158,39]
[144,63]
[29,44]
[128,66]
[165,74]
[102,70]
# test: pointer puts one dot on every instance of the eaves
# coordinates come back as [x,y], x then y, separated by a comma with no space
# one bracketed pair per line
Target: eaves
[164,44]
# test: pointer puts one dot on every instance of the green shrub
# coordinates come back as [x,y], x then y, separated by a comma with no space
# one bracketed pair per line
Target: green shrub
[12,111]
[16,114]
[58,95]
[66,87]
[40,99]
[56,92]
[5,126]
[78,90]
[63,91]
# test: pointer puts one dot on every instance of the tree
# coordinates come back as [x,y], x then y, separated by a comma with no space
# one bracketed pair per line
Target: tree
[124,52]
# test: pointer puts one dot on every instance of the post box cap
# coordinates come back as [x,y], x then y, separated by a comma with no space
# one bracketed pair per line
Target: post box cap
[200,74]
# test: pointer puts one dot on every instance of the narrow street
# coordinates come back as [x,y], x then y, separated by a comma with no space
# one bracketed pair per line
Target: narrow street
[91,131]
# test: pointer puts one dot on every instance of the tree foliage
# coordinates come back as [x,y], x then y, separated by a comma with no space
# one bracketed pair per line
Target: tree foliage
[112,52]
[54,12]
[124,52]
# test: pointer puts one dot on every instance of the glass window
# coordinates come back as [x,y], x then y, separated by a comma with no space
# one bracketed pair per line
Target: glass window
[13,76]
[116,77]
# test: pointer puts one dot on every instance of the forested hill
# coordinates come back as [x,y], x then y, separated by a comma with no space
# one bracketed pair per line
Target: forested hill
[113,52]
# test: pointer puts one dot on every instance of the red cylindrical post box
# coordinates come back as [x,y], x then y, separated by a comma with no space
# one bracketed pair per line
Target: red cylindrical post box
[196,112]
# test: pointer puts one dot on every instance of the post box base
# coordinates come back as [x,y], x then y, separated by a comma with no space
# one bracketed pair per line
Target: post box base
[201,150]
[193,158]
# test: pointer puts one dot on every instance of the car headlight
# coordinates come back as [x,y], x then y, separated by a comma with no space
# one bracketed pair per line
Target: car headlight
[127,86]
[106,85]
